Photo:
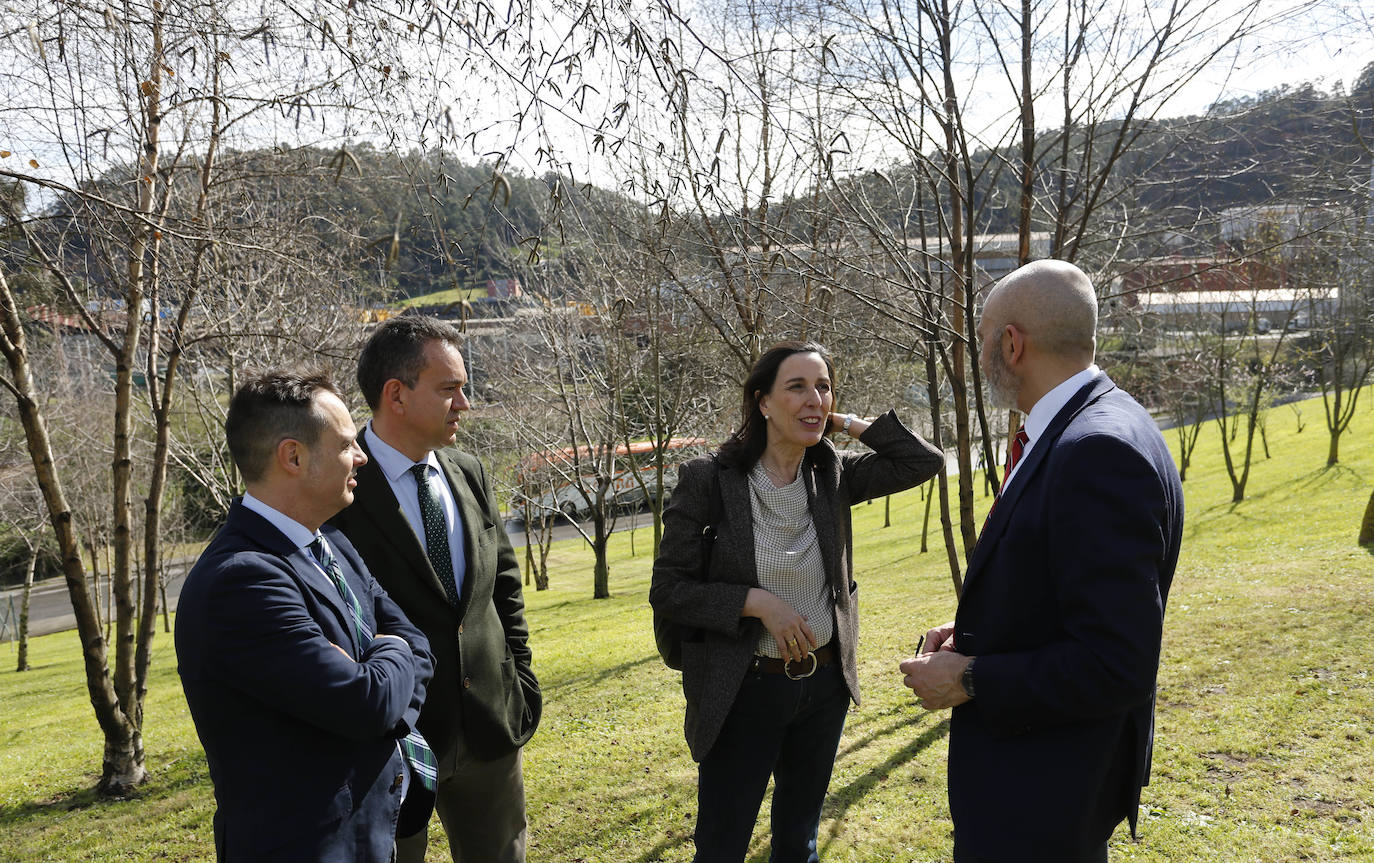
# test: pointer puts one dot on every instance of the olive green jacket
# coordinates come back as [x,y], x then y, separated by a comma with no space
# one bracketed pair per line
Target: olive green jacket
[483,687]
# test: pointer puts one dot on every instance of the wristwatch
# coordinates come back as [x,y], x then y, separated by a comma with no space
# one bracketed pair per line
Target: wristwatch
[966,679]
[848,418]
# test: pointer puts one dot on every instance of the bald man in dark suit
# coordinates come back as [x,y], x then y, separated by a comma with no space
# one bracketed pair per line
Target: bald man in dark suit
[1051,660]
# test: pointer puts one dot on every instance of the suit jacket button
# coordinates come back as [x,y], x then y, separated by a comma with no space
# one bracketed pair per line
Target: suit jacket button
[397,782]
[467,682]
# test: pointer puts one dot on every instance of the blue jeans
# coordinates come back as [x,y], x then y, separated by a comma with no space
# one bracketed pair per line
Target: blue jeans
[789,729]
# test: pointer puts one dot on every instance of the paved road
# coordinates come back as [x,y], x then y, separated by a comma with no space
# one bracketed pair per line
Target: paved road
[50,606]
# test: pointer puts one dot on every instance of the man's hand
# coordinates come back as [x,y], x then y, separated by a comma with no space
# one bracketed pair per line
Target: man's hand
[939,638]
[935,676]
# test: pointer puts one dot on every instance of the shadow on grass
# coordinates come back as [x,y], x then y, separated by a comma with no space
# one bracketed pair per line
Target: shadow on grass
[902,714]
[168,779]
[844,799]
[655,854]
[838,802]
[69,801]
[1302,486]
[598,676]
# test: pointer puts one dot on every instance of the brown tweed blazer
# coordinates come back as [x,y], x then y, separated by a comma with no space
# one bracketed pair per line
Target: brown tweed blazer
[714,663]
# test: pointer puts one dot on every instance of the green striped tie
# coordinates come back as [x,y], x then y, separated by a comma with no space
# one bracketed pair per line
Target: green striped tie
[413,745]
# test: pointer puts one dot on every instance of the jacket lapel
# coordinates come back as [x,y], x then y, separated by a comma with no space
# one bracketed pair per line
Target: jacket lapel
[822,478]
[387,519]
[474,518]
[1028,471]
[735,507]
[260,530]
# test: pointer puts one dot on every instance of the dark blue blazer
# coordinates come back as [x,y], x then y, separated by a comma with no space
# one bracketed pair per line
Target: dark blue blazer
[1063,605]
[300,739]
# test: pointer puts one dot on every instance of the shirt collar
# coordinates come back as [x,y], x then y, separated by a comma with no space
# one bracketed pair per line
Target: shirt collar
[299,535]
[1052,402]
[392,461]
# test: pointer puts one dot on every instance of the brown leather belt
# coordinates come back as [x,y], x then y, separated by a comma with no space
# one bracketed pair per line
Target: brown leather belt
[825,655]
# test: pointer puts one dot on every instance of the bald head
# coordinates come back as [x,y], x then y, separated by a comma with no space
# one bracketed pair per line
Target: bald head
[1053,303]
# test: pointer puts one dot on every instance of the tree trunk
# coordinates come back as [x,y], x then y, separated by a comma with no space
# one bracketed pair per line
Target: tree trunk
[529,550]
[1367,525]
[123,764]
[601,586]
[23,663]
[601,577]
[166,613]
[936,440]
[1333,452]
[925,523]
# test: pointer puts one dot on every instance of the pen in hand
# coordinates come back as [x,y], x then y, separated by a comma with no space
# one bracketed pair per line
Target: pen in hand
[920,642]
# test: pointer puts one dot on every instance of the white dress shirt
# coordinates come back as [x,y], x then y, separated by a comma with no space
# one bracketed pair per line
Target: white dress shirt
[300,535]
[1044,412]
[396,466]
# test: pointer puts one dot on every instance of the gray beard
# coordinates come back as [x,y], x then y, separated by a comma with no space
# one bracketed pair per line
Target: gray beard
[1002,389]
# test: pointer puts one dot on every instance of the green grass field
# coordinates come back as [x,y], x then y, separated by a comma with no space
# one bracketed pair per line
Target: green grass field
[1265,724]
[442,297]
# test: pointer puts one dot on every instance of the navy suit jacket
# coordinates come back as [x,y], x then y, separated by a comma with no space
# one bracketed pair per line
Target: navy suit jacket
[300,739]
[1063,606]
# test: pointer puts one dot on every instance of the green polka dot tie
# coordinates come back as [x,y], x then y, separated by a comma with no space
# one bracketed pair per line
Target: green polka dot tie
[436,532]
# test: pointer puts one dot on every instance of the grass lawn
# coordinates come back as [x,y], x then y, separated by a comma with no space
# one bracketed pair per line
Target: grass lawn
[1264,736]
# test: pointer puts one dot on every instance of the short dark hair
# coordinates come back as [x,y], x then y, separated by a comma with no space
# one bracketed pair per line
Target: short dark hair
[269,408]
[396,349]
[744,447]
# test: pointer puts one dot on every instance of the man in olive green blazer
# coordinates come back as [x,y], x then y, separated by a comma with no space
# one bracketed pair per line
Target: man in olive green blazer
[427,523]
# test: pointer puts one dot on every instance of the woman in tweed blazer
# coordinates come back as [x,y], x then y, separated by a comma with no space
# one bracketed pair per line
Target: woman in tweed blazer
[768,669]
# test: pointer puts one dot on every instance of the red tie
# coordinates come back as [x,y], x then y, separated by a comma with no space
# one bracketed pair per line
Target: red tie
[1018,446]
[1014,453]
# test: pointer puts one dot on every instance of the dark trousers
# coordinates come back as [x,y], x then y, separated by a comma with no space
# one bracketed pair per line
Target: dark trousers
[787,729]
[482,807]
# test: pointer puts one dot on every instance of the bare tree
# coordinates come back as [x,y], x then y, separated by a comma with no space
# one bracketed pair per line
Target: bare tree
[22,507]
[956,175]
[127,110]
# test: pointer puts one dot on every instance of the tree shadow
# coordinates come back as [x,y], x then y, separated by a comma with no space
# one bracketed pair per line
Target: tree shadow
[655,853]
[901,715]
[844,799]
[165,782]
[67,801]
[598,676]
[838,801]
[1313,481]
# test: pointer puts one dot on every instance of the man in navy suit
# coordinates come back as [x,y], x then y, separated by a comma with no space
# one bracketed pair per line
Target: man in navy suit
[1051,660]
[302,676]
